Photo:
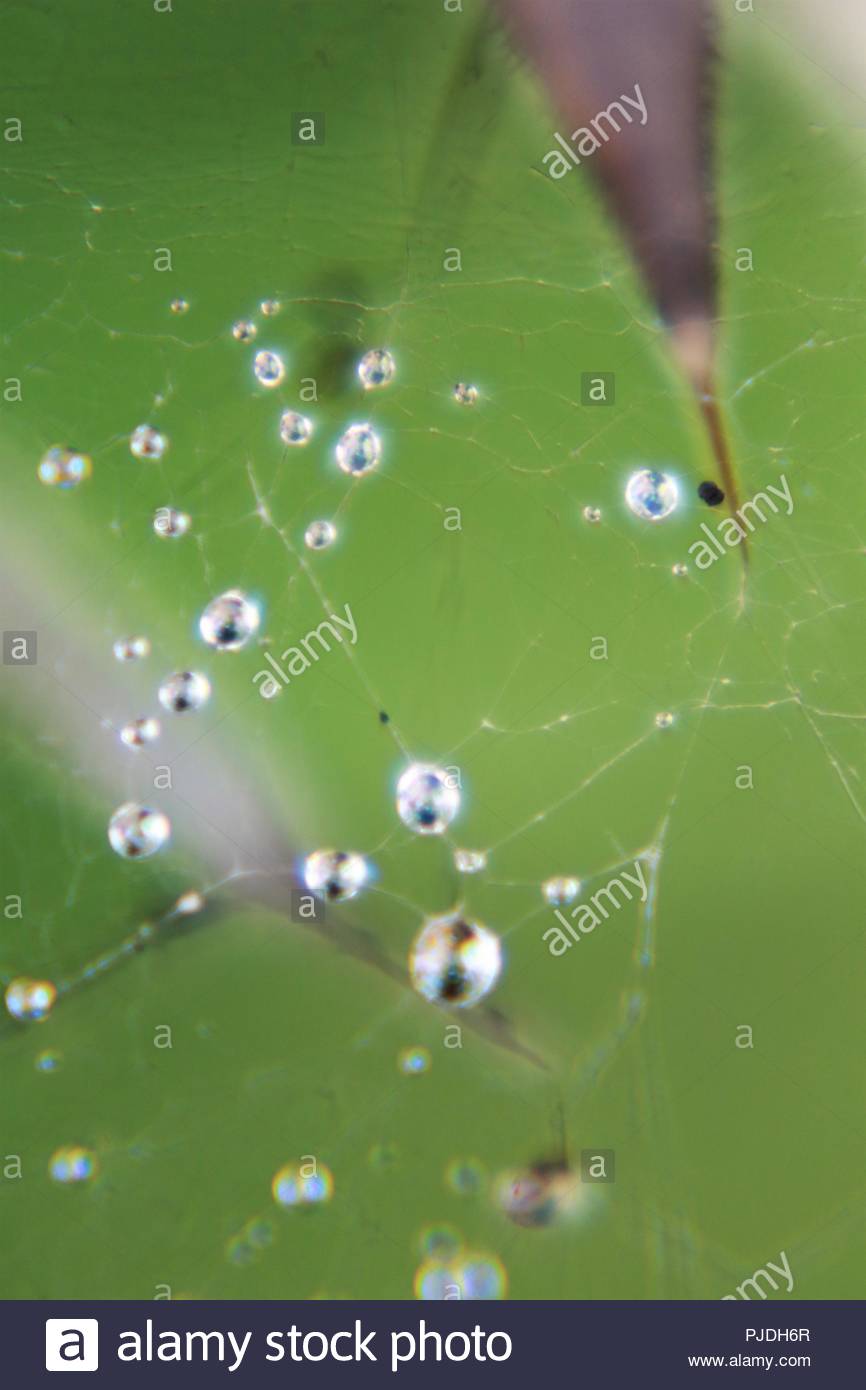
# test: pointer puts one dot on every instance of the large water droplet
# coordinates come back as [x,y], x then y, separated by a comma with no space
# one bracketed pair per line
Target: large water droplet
[64,468]
[183,691]
[147,443]
[336,874]
[455,962]
[295,428]
[229,621]
[137,832]
[30,1000]
[427,801]
[269,368]
[651,495]
[359,450]
[376,368]
[319,535]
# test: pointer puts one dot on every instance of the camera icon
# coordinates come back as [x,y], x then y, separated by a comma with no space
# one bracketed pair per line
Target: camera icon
[71,1344]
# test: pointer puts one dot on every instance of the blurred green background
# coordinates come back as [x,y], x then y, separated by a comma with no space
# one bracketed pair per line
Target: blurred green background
[144,131]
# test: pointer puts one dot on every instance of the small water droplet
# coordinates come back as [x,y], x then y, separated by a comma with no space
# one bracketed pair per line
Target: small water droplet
[359,450]
[179,306]
[651,495]
[470,861]
[464,394]
[413,1061]
[560,890]
[592,515]
[376,368]
[465,1176]
[229,621]
[664,720]
[140,731]
[679,571]
[189,903]
[171,524]
[269,368]
[72,1163]
[49,1060]
[137,832]
[336,874]
[427,802]
[64,467]
[147,443]
[131,648]
[294,427]
[292,1186]
[454,961]
[482,1277]
[319,535]
[244,331]
[269,307]
[184,690]
[30,1001]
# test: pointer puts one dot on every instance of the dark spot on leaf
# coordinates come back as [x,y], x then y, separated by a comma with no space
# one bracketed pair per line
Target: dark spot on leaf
[711,493]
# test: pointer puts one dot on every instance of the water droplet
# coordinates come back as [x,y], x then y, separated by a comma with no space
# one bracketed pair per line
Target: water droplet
[560,890]
[269,307]
[359,450]
[30,1000]
[483,1277]
[470,861]
[229,621]
[179,306]
[295,428]
[336,874]
[243,331]
[131,648]
[413,1061]
[465,1176]
[140,731]
[147,443]
[72,1163]
[465,394]
[293,1188]
[189,903]
[664,720]
[63,467]
[137,832]
[426,800]
[170,523]
[680,571]
[49,1060]
[376,368]
[651,495]
[436,1281]
[440,1242]
[319,535]
[454,961]
[592,515]
[185,690]
[269,368]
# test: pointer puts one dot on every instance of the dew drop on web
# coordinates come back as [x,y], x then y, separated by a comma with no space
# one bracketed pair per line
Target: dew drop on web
[229,621]
[295,428]
[427,801]
[454,961]
[170,523]
[147,443]
[137,832]
[184,691]
[464,394]
[651,495]
[244,331]
[470,861]
[560,890]
[131,648]
[376,368]
[359,450]
[335,874]
[63,467]
[268,368]
[138,732]
[319,535]
[29,1001]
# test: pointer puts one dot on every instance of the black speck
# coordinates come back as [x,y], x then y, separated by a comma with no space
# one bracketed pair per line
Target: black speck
[711,493]
[384,717]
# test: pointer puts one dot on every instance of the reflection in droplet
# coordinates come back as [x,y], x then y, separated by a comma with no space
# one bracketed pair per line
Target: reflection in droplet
[183,691]
[295,428]
[138,732]
[131,648]
[29,1001]
[64,468]
[229,621]
[413,1061]
[465,394]
[171,524]
[293,1186]
[268,368]
[376,368]
[147,443]
[455,962]
[359,450]
[470,861]
[337,875]
[561,889]
[651,495]
[137,832]
[72,1163]
[427,799]
[319,535]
